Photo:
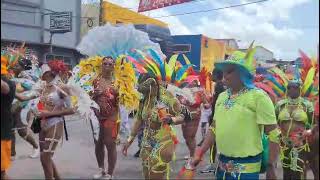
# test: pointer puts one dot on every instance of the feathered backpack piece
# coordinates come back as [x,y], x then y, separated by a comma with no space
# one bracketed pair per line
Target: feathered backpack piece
[125,81]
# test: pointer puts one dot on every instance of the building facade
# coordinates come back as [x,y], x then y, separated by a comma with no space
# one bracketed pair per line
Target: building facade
[262,54]
[29,21]
[232,43]
[201,50]
[158,31]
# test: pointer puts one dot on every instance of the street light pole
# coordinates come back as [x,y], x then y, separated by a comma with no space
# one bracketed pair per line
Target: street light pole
[101,13]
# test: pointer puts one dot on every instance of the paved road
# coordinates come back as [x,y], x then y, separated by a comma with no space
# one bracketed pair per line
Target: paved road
[75,158]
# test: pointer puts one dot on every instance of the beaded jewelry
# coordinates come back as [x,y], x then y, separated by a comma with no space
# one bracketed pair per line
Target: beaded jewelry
[230,101]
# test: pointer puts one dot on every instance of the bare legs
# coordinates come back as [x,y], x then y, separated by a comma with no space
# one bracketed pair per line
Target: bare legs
[189,131]
[24,131]
[106,139]
[290,174]
[110,144]
[156,171]
[99,149]
[48,142]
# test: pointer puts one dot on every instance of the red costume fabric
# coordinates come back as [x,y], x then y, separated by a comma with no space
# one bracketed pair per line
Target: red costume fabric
[108,100]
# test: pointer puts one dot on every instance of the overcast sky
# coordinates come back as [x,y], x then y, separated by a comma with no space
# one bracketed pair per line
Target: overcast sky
[283,26]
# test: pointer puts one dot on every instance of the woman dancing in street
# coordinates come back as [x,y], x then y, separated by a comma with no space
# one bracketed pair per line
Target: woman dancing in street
[23,129]
[294,116]
[106,96]
[54,103]
[189,129]
[158,110]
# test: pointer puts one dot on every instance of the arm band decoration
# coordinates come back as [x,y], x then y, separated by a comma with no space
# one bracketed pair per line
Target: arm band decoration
[213,130]
[274,135]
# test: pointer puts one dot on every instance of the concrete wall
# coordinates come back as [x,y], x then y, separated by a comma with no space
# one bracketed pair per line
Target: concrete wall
[70,39]
[23,20]
[92,11]
[263,54]
[20,20]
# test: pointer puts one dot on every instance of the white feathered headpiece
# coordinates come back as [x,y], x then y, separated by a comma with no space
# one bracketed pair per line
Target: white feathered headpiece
[109,40]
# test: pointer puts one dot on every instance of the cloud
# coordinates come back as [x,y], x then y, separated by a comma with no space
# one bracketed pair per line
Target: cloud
[256,22]
[262,22]
[176,26]
[276,9]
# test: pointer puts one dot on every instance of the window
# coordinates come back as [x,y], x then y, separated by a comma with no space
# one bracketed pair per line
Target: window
[182,48]
[206,43]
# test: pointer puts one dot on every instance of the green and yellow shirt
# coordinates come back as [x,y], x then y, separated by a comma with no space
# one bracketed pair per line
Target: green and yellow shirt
[238,125]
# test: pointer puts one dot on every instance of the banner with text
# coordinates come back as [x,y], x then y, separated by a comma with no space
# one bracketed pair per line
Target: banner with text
[147,5]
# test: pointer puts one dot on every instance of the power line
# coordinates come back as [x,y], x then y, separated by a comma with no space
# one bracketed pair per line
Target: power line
[172,15]
[203,11]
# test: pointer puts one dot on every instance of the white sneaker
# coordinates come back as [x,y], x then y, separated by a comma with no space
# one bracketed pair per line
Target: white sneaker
[101,174]
[107,176]
[209,168]
[35,153]
[186,157]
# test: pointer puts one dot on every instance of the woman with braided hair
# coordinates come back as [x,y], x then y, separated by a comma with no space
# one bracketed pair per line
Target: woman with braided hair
[158,111]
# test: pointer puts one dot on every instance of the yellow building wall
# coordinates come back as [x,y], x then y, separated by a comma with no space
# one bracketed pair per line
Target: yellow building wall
[115,14]
[215,51]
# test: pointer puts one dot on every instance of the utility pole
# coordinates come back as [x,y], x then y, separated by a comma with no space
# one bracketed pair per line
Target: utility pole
[101,13]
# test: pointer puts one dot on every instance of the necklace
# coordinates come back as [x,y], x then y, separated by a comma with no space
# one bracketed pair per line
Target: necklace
[230,101]
[294,101]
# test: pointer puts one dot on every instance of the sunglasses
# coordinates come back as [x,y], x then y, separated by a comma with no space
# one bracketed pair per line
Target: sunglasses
[108,63]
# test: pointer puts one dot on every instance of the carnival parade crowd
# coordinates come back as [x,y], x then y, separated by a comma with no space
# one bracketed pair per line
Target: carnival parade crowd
[249,116]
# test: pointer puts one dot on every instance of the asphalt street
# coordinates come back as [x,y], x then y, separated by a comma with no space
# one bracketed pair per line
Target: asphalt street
[75,158]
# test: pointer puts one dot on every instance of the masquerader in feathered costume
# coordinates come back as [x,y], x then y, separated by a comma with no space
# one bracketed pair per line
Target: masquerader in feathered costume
[25,74]
[261,82]
[201,100]
[295,116]
[158,110]
[22,115]
[114,86]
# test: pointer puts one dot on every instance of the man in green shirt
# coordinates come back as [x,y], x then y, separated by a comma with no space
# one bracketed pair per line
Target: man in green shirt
[242,114]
